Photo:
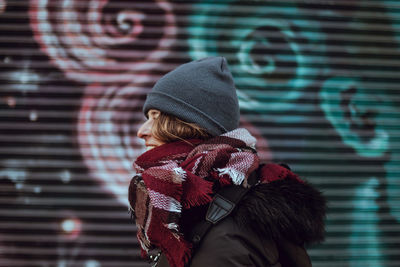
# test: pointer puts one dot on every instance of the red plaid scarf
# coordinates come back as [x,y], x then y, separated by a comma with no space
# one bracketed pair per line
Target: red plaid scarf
[181,175]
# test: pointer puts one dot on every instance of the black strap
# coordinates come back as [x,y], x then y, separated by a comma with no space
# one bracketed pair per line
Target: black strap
[222,205]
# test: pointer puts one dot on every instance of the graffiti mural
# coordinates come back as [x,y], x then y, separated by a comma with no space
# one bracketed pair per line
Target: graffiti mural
[264,45]
[317,84]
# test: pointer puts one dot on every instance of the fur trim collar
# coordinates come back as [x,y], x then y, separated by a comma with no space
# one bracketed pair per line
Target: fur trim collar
[287,209]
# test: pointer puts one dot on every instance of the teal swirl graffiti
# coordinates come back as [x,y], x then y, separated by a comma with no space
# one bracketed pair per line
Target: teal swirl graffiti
[353,112]
[273,59]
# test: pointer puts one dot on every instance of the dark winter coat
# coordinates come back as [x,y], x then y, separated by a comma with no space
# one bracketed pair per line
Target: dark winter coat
[270,227]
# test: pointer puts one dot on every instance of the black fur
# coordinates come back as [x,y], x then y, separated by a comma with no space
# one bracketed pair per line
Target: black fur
[284,209]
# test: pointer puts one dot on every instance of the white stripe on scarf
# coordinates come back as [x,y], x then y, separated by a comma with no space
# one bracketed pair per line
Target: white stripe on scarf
[164,202]
[243,135]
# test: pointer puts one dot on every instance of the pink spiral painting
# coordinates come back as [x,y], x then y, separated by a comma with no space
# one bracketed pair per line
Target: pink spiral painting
[103,41]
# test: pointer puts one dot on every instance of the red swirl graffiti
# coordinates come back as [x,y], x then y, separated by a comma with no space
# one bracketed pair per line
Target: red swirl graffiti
[108,121]
[101,40]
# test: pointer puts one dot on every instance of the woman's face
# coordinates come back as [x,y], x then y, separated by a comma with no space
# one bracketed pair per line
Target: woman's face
[145,131]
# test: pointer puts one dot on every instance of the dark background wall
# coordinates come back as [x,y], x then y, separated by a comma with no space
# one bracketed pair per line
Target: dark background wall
[318,83]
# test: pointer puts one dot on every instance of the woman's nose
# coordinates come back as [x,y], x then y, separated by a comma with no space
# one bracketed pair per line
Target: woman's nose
[144,130]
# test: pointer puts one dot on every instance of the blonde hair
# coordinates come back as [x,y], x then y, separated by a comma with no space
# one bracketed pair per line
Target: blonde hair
[167,128]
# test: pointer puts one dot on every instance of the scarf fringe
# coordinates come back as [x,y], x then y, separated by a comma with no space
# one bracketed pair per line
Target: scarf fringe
[236,176]
[177,250]
[177,254]
[196,192]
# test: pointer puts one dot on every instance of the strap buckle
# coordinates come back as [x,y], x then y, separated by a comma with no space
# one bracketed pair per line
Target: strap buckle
[219,208]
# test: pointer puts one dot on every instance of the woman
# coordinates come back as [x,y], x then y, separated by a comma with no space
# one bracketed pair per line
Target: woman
[200,196]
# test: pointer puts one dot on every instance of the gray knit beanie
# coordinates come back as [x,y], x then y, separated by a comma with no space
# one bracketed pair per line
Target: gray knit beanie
[200,92]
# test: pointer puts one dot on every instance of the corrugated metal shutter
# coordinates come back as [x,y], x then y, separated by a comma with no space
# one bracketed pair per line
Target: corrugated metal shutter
[318,83]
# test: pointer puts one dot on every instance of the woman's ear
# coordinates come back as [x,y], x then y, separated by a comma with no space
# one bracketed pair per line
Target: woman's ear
[354,111]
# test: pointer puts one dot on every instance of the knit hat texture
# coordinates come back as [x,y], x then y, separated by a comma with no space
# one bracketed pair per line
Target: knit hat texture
[201,92]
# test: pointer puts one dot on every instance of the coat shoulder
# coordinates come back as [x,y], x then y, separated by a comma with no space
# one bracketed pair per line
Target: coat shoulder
[227,244]
[284,210]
